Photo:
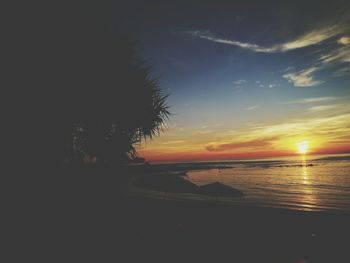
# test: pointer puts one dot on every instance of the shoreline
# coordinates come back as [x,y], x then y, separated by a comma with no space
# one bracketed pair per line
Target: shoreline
[91,213]
[139,193]
[280,234]
[245,201]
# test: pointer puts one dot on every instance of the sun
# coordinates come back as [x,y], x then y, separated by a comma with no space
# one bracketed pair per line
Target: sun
[302,147]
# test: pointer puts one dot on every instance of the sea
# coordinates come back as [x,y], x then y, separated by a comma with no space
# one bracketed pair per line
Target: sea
[308,183]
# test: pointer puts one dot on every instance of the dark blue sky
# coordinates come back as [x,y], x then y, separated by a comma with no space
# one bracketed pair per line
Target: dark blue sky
[229,64]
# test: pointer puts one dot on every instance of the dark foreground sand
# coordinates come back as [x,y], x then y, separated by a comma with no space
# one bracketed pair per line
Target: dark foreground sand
[88,219]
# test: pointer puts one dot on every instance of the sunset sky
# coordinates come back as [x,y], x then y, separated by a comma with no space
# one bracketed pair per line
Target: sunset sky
[247,79]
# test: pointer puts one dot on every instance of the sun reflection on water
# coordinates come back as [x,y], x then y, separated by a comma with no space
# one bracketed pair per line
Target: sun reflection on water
[302,183]
[304,170]
[308,197]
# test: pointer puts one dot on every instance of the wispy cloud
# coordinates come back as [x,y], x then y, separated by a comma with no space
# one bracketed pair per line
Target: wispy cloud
[344,40]
[284,135]
[313,37]
[321,108]
[239,82]
[342,72]
[310,100]
[322,133]
[173,142]
[341,54]
[303,78]
[331,126]
[318,99]
[252,107]
[208,36]
[202,132]
[237,145]
[337,56]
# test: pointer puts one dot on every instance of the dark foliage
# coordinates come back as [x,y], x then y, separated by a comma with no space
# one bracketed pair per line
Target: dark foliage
[103,98]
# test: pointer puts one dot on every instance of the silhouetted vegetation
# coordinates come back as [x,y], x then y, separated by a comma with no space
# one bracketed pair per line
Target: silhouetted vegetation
[106,99]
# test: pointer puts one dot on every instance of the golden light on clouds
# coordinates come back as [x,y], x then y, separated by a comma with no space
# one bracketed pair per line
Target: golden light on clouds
[310,134]
[344,40]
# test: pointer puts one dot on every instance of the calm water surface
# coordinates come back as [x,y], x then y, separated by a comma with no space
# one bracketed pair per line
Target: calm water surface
[302,184]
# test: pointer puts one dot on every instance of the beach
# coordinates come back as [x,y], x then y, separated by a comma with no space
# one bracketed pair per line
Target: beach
[247,234]
[91,220]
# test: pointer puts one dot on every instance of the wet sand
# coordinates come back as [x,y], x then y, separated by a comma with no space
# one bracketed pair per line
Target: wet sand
[87,218]
[247,234]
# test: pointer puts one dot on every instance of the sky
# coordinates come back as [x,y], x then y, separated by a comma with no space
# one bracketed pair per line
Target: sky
[247,79]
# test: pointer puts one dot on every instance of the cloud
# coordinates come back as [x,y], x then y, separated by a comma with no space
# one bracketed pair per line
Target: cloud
[252,107]
[344,40]
[321,108]
[313,37]
[318,99]
[339,55]
[173,142]
[236,145]
[328,126]
[249,46]
[202,132]
[239,82]
[272,86]
[342,72]
[310,100]
[303,78]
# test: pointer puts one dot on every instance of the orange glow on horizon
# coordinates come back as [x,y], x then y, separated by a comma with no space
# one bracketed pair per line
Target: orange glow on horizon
[317,136]
[205,156]
[155,156]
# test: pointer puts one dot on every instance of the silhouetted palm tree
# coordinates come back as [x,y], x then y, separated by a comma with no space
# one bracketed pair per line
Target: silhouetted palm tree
[139,114]
[105,97]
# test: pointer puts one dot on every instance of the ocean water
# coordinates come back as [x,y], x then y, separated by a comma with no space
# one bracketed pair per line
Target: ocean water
[302,183]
